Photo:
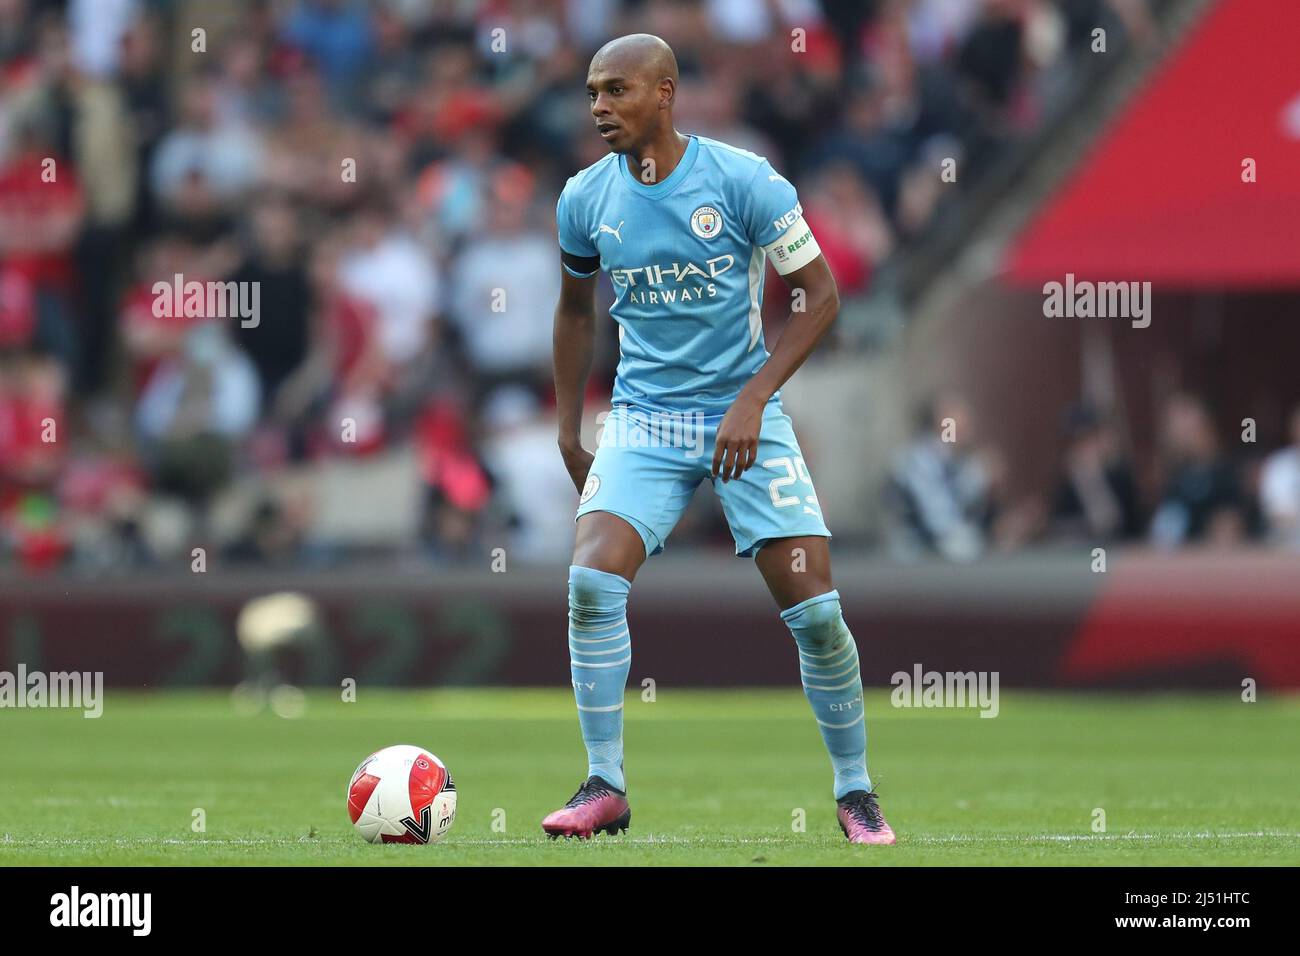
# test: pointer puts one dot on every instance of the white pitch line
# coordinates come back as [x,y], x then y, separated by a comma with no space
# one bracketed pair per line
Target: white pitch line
[9,841]
[1099,837]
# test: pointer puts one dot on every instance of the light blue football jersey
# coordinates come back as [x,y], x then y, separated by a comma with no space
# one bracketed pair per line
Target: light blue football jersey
[686,257]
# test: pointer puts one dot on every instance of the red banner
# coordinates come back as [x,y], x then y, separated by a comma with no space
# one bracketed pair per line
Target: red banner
[1163,196]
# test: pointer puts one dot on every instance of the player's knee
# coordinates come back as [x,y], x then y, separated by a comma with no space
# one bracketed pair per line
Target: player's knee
[593,593]
[610,543]
[818,624]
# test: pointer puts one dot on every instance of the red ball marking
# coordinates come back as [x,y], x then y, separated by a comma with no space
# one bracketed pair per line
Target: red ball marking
[426,782]
[359,793]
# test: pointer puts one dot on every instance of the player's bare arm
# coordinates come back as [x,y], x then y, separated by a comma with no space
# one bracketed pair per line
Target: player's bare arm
[574,344]
[737,444]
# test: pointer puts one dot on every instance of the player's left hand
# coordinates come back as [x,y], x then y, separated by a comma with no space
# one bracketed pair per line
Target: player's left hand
[737,444]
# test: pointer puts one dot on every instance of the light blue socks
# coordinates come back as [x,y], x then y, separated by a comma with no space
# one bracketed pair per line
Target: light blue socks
[828,665]
[600,656]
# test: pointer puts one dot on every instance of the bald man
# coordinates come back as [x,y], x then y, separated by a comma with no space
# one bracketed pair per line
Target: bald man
[684,225]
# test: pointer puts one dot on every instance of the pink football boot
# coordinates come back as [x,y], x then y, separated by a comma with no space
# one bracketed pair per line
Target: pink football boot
[597,806]
[861,819]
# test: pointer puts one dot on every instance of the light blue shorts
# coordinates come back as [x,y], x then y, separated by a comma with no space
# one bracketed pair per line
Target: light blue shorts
[648,465]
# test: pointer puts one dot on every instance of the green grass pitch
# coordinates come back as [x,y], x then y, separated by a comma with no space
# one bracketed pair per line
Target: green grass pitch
[717,778]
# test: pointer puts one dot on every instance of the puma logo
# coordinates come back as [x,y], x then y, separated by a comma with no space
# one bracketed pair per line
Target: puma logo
[613,232]
[774,178]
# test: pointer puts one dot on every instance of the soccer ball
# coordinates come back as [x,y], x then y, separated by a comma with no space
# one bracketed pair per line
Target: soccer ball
[402,794]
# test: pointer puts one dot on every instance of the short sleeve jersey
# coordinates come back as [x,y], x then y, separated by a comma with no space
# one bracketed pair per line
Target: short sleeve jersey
[686,258]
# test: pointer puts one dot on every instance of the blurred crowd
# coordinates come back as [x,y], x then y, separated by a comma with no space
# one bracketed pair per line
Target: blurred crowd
[948,495]
[384,174]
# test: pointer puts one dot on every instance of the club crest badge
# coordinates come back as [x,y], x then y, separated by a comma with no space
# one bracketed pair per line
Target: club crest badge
[706,222]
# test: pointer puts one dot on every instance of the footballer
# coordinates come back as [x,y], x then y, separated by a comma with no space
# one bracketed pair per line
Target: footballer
[684,226]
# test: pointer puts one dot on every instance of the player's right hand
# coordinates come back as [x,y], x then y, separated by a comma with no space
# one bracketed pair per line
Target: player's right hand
[578,460]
